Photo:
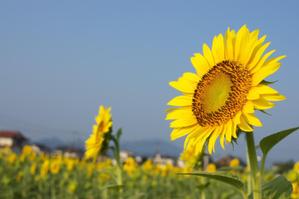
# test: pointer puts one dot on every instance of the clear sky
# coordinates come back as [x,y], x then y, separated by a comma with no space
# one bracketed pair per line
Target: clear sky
[60,60]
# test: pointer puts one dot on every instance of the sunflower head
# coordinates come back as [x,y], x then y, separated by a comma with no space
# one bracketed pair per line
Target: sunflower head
[221,97]
[103,124]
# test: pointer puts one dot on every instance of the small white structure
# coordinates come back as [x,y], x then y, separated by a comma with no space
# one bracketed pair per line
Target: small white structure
[124,155]
[12,139]
[158,159]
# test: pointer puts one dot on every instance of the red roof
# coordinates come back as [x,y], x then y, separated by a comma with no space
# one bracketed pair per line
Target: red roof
[11,134]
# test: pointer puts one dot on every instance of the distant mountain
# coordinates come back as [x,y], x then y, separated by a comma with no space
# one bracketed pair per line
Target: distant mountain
[54,142]
[151,147]
[140,147]
[51,142]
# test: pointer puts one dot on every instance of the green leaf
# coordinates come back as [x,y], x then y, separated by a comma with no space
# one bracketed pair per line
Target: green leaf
[238,168]
[267,143]
[276,188]
[235,182]
[118,134]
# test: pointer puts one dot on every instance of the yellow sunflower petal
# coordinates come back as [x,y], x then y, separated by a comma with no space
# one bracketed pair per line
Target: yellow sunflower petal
[222,136]
[183,123]
[253,40]
[187,142]
[218,48]
[262,61]
[180,132]
[186,84]
[194,137]
[226,133]
[265,89]
[230,42]
[234,130]
[255,48]
[213,138]
[200,141]
[258,56]
[248,107]
[253,94]
[252,119]
[261,89]
[244,126]
[200,64]
[208,54]
[270,67]
[183,100]
[185,113]
[241,41]
[229,130]
[237,118]
[262,104]
[274,97]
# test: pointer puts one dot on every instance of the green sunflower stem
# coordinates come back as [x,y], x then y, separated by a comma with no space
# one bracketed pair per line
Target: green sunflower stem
[254,168]
[119,172]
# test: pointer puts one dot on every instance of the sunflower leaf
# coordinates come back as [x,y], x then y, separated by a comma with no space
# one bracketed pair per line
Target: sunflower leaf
[267,143]
[235,182]
[276,188]
[238,168]
[119,133]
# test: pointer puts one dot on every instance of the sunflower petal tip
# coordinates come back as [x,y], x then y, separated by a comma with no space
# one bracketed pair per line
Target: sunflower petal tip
[171,83]
[244,26]
[172,138]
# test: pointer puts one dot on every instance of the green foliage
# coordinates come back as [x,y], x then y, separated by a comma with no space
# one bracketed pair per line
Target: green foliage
[278,187]
[268,82]
[235,182]
[267,143]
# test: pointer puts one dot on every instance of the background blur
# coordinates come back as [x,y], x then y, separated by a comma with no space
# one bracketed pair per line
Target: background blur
[60,60]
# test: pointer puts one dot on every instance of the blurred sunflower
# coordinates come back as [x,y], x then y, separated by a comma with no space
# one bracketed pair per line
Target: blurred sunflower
[234,162]
[103,124]
[189,157]
[211,168]
[130,165]
[227,88]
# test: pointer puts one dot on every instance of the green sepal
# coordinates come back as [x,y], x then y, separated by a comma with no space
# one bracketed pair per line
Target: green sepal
[268,82]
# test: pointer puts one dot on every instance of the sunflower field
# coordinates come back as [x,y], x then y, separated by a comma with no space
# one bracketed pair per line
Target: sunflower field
[32,175]
[218,101]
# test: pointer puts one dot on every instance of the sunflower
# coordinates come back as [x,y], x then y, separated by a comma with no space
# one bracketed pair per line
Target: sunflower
[227,88]
[103,124]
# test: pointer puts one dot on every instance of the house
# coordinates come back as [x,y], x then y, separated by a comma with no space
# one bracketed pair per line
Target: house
[12,139]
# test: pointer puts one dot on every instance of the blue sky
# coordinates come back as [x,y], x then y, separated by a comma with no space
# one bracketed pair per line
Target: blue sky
[60,60]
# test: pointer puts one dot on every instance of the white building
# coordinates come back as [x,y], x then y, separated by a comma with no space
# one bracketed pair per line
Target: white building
[12,139]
